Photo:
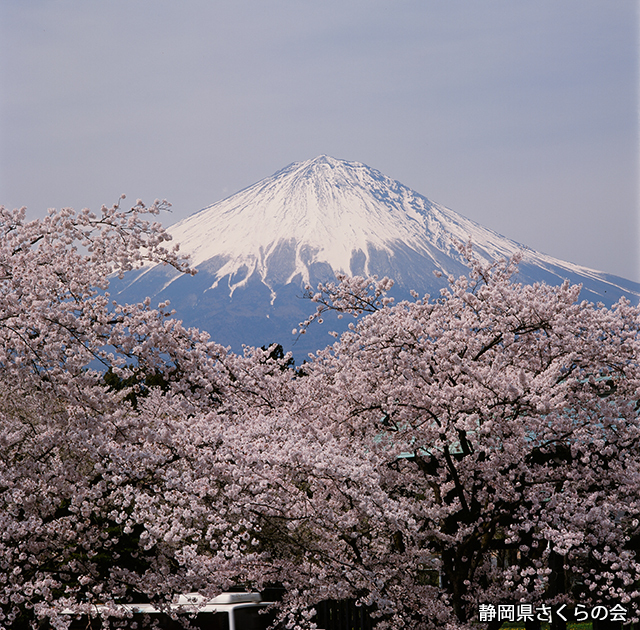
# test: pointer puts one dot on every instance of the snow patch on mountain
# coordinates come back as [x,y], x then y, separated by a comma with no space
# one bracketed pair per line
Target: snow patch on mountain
[319,211]
[337,213]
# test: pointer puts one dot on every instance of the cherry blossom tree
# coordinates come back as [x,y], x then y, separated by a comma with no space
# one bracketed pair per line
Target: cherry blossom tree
[500,423]
[75,458]
[477,447]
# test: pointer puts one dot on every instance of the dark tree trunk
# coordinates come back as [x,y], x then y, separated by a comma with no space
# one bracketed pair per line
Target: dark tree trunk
[556,586]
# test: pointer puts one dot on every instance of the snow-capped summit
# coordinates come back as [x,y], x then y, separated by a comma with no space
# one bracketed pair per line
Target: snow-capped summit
[324,210]
[257,249]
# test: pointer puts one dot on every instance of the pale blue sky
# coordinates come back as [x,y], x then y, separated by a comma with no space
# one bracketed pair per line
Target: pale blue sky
[520,115]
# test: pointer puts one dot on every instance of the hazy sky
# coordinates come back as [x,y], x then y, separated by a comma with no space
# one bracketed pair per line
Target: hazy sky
[520,115]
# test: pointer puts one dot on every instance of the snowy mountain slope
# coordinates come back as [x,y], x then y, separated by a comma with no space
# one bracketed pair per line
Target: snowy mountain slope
[256,250]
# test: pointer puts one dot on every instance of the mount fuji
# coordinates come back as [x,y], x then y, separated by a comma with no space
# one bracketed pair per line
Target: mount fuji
[256,250]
